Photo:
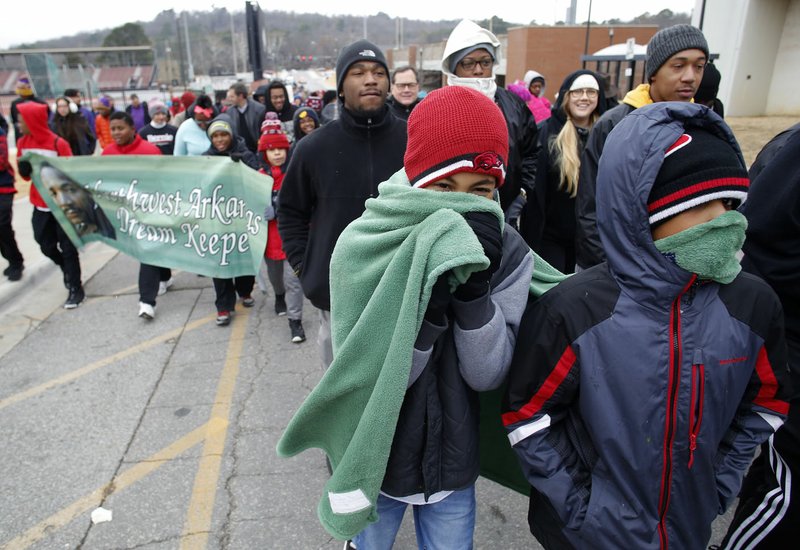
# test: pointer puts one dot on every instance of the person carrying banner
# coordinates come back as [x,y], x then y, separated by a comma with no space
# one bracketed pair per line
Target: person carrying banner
[53,242]
[153,280]
[225,143]
[8,243]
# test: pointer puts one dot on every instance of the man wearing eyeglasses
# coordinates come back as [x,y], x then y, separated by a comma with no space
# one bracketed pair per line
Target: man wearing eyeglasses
[470,57]
[405,91]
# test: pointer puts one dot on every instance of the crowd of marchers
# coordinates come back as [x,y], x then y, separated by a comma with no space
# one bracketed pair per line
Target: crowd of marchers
[638,382]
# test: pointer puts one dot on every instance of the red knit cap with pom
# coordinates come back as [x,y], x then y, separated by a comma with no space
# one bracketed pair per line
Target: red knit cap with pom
[455,129]
[272,136]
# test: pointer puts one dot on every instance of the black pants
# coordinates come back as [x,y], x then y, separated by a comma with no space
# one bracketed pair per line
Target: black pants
[227,289]
[768,515]
[149,278]
[8,244]
[55,244]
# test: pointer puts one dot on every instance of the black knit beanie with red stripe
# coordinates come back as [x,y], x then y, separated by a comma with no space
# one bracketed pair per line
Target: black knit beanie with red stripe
[698,168]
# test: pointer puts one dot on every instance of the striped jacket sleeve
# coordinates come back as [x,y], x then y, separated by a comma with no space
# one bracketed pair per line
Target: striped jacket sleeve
[542,385]
[761,412]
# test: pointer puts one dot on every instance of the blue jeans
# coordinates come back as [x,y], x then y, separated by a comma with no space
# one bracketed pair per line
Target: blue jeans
[448,524]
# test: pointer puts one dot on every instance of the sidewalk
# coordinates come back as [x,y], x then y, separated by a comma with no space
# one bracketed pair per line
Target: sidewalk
[27,302]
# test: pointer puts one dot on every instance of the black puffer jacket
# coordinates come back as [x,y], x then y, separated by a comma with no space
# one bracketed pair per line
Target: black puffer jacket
[331,173]
[588,249]
[550,219]
[237,150]
[523,146]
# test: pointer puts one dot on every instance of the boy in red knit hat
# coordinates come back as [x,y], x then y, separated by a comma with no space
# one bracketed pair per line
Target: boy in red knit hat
[273,146]
[457,146]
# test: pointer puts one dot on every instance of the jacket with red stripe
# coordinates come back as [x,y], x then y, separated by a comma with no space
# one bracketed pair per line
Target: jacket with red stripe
[637,394]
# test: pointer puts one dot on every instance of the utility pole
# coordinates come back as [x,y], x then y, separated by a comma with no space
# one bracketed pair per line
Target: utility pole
[588,28]
[180,51]
[190,76]
[365,27]
[233,44]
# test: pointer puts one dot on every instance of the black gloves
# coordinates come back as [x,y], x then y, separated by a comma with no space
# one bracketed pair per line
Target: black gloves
[439,301]
[236,156]
[24,168]
[487,228]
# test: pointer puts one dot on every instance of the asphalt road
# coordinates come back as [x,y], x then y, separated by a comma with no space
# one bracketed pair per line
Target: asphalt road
[169,424]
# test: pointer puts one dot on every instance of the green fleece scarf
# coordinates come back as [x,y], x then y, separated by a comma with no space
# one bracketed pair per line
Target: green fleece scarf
[382,271]
[709,249]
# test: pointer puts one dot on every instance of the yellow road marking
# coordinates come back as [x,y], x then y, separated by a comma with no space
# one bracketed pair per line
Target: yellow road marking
[121,482]
[70,376]
[201,506]
[131,288]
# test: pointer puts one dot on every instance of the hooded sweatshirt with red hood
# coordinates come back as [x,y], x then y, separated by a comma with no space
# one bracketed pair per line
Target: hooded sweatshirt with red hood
[40,140]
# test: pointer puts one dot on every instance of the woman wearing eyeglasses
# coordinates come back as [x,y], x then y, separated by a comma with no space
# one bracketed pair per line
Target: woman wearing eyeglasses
[550,218]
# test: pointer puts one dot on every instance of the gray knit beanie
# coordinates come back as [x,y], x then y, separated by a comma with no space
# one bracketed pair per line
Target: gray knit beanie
[667,42]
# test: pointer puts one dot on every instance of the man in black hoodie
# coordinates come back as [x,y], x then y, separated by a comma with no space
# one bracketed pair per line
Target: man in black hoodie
[335,169]
[277,101]
[768,515]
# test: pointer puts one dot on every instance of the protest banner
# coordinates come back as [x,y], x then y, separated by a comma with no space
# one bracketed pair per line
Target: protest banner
[199,214]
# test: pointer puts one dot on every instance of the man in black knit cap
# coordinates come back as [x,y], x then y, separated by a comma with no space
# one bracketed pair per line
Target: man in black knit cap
[335,169]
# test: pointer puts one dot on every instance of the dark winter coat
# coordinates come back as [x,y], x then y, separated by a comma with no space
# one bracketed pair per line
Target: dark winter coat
[550,219]
[435,446]
[523,146]
[248,124]
[772,248]
[399,110]
[331,173]
[287,111]
[588,249]
[637,396]
[237,150]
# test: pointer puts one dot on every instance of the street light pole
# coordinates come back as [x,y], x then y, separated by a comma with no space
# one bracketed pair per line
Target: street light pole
[233,44]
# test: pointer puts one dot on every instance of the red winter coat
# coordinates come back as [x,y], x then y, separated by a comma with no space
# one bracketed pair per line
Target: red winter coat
[274,249]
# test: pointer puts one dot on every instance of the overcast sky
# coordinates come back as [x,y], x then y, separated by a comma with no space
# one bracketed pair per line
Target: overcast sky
[22,22]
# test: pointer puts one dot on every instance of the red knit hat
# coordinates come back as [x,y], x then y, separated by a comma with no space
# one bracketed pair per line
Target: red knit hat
[455,129]
[272,135]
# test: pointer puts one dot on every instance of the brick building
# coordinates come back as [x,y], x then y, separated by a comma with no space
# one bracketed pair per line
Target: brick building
[556,51]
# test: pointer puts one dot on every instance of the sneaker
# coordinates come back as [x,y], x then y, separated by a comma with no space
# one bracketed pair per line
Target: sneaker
[163,286]
[76,296]
[348,545]
[13,272]
[223,318]
[296,327]
[248,301]
[280,304]
[146,311]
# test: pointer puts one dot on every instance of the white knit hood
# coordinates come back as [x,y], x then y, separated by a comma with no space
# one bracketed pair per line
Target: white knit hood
[466,34]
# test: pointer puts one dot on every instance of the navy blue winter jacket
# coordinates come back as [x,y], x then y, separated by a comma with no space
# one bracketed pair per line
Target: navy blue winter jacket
[637,394]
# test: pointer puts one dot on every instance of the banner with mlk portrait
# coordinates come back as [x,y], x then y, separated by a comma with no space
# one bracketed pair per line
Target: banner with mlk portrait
[204,215]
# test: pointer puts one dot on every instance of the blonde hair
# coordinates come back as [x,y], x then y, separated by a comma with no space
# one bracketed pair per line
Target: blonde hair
[564,147]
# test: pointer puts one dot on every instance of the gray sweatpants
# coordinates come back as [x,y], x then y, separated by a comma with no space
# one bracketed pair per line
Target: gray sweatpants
[284,281]
[324,338]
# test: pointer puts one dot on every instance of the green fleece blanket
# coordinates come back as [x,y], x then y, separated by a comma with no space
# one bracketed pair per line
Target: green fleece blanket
[382,271]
